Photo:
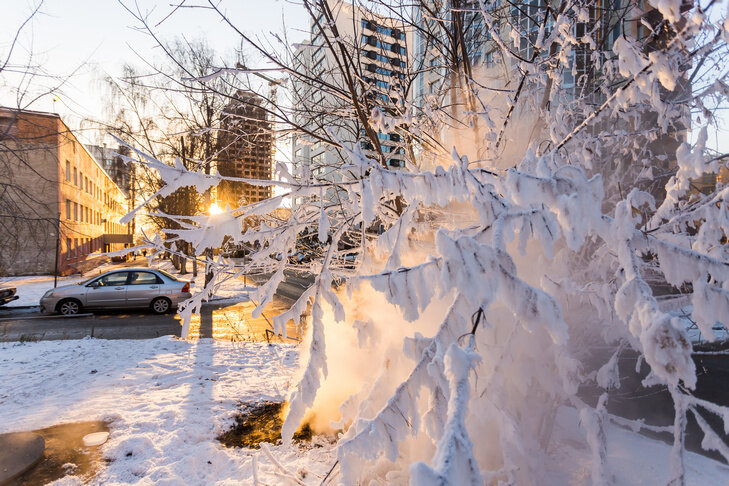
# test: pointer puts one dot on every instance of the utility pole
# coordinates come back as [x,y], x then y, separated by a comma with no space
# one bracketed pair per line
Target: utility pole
[183,247]
[58,250]
[208,251]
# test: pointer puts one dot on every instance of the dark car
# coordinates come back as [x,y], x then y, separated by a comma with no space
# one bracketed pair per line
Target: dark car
[7,294]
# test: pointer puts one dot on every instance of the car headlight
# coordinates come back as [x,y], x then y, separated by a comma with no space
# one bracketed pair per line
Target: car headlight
[47,294]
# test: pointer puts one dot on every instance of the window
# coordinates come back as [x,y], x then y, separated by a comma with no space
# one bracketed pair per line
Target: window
[527,18]
[68,171]
[75,177]
[370,25]
[75,246]
[144,278]
[68,209]
[374,41]
[75,211]
[8,127]
[113,279]
[68,247]
[319,66]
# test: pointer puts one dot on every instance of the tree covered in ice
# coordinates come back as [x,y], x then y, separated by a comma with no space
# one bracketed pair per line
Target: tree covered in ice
[545,198]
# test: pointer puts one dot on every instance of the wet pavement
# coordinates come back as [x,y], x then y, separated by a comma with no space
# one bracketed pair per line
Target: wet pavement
[236,323]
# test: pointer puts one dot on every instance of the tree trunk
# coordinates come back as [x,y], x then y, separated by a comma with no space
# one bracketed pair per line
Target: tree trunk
[194,261]
[208,265]
[181,247]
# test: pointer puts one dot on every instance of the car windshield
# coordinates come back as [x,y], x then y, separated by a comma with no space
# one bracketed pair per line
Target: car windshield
[166,274]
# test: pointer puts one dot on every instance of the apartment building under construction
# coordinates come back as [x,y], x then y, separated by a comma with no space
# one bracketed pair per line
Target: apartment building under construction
[245,150]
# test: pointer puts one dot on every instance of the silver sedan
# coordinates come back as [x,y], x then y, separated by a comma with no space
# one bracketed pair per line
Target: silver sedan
[118,289]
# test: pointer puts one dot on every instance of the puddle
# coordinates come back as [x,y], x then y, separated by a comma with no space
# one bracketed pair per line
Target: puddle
[260,422]
[65,454]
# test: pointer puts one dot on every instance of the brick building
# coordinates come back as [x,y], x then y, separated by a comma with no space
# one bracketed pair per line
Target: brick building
[57,196]
[246,149]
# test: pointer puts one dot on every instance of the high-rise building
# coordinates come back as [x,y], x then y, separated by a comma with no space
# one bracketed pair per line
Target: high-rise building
[245,149]
[378,49]
[114,164]
[59,206]
[577,85]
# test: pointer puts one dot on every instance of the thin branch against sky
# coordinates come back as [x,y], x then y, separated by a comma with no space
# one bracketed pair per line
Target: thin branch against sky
[91,40]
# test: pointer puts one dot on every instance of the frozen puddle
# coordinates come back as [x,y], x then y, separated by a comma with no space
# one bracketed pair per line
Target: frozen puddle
[66,454]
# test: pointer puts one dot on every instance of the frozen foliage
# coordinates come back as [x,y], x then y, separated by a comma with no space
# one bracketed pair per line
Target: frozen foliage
[491,276]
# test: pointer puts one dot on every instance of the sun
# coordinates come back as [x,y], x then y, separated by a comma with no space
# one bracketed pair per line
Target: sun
[215,209]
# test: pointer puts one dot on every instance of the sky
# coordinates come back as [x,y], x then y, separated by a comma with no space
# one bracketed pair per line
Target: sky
[83,40]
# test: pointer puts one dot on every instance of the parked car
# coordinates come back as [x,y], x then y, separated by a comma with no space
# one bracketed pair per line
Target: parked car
[119,289]
[7,294]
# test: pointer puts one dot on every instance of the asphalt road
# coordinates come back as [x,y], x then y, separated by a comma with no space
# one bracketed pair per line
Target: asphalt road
[32,326]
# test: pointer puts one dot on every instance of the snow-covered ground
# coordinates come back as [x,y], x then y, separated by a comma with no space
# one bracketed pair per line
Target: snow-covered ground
[31,288]
[168,399]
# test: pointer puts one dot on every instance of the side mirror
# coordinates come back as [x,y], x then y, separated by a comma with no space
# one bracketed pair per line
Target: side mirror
[93,285]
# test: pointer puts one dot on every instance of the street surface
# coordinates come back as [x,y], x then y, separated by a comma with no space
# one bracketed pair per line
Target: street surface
[226,321]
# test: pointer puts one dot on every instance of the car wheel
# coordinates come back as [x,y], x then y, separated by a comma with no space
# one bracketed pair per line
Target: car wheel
[69,307]
[160,305]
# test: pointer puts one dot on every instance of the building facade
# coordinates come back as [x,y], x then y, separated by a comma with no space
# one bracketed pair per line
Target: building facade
[245,149]
[580,83]
[63,207]
[114,164]
[378,48]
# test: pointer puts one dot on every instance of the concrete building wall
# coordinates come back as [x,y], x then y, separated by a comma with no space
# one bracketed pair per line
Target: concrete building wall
[29,212]
[74,203]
